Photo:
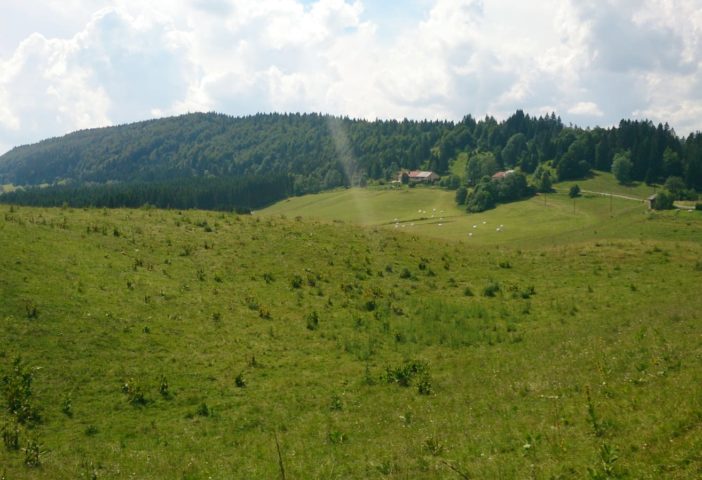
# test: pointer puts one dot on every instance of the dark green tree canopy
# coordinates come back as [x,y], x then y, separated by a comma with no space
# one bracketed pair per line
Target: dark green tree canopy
[318,152]
[480,164]
[489,192]
[622,167]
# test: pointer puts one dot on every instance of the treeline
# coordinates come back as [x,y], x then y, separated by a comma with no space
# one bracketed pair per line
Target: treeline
[656,151]
[221,193]
[487,193]
[321,152]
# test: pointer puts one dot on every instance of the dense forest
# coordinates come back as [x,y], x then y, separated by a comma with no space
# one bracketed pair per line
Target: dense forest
[219,193]
[318,152]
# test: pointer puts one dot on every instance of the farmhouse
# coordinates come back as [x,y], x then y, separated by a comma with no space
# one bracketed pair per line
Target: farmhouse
[503,174]
[417,176]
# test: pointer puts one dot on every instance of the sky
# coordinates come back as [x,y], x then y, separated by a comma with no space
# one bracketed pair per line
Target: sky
[74,64]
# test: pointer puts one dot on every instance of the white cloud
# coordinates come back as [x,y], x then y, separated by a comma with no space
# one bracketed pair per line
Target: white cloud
[43,94]
[127,60]
[586,108]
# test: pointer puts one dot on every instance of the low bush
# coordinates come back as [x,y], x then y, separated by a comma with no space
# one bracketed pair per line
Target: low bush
[492,289]
[312,321]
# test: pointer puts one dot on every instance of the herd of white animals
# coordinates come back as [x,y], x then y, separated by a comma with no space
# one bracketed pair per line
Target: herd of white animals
[398,224]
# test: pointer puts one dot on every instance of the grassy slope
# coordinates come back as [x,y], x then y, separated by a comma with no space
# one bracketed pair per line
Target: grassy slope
[545,219]
[458,167]
[615,314]
[606,183]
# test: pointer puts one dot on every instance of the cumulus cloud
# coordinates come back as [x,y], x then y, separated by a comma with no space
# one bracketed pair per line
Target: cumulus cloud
[586,108]
[593,62]
[118,69]
[41,92]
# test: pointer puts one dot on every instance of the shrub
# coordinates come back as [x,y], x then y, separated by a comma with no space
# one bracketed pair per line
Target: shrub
[424,387]
[482,198]
[203,410]
[492,289]
[405,374]
[31,309]
[10,435]
[296,281]
[135,396]
[336,404]
[606,468]
[240,381]
[369,305]
[17,390]
[252,303]
[528,292]
[433,446]
[201,274]
[164,388]
[405,273]
[336,437]
[67,406]
[313,321]
[663,201]
[31,453]
[461,195]
[574,191]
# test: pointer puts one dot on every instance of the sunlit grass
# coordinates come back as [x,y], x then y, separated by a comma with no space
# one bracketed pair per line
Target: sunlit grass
[522,339]
[431,212]
[606,183]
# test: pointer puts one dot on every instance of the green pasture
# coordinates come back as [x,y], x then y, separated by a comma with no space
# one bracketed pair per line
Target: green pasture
[430,212]
[605,182]
[168,344]
[370,206]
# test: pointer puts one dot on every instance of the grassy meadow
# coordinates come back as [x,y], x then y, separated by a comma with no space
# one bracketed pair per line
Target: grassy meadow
[547,219]
[320,339]
[605,182]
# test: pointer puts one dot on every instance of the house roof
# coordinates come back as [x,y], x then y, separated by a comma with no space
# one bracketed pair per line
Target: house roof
[501,175]
[420,174]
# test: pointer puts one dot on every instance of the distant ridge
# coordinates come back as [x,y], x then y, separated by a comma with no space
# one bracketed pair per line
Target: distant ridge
[321,151]
[212,144]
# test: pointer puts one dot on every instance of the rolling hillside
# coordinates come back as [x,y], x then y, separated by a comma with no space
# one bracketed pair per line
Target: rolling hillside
[187,344]
[543,220]
[208,144]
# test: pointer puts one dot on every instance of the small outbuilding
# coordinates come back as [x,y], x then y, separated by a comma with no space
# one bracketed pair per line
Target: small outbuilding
[651,201]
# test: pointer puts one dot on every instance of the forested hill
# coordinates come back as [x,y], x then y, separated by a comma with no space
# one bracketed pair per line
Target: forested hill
[324,150]
[319,151]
